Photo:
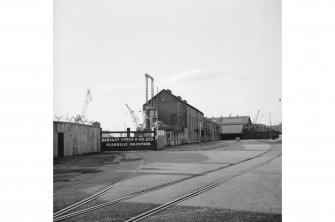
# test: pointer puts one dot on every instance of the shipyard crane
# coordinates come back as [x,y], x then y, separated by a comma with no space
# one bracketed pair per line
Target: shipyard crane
[256,118]
[135,119]
[88,98]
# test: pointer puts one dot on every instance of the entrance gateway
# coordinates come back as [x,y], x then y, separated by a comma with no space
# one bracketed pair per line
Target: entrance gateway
[141,140]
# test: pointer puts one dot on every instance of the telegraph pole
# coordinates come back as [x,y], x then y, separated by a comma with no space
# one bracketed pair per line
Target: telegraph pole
[270,125]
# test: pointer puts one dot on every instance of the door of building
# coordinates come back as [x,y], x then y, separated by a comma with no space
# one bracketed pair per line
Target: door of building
[60,144]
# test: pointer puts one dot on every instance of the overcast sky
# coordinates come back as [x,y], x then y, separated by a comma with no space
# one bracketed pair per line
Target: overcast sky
[223,57]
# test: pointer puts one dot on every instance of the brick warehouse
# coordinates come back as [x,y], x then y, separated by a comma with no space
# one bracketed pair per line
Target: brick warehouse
[211,131]
[241,126]
[177,113]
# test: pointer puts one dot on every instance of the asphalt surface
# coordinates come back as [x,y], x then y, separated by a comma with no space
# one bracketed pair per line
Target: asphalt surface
[253,196]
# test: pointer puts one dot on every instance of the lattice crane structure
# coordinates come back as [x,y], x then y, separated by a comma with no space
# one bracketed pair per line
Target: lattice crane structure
[256,118]
[88,99]
[135,119]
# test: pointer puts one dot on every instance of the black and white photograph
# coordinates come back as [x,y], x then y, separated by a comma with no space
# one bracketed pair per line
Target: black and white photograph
[167,110]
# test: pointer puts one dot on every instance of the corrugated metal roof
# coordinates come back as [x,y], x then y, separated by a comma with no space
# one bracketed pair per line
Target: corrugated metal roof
[244,120]
[228,129]
[206,119]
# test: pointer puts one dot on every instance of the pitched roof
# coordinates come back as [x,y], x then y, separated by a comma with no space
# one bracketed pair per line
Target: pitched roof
[180,100]
[228,129]
[236,120]
[206,119]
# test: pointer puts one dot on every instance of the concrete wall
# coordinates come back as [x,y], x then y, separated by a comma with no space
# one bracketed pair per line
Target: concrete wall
[161,139]
[211,131]
[78,138]
[170,138]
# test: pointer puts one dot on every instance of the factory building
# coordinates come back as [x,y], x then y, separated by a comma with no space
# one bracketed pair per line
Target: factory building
[241,126]
[261,131]
[181,121]
[232,127]
[277,128]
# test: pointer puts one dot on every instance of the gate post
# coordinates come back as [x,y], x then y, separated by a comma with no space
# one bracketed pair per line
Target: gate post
[100,145]
[128,136]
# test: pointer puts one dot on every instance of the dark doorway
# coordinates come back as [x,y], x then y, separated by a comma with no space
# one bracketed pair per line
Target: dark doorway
[60,144]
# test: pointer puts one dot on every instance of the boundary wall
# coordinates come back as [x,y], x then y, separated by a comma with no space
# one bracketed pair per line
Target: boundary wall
[77,138]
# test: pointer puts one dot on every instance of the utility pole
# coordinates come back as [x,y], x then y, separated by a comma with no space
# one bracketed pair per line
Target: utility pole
[270,125]
[200,137]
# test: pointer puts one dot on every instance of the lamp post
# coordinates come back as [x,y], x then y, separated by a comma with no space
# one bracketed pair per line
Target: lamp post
[270,123]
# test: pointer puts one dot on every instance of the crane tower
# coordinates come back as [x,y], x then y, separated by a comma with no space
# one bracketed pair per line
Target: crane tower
[256,118]
[147,76]
[88,98]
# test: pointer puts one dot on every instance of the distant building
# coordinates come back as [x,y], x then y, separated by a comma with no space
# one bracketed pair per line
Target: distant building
[232,127]
[96,124]
[233,120]
[181,120]
[277,128]
[261,131]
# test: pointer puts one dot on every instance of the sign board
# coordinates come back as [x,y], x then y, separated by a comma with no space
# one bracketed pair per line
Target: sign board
[127,143]
[200,124]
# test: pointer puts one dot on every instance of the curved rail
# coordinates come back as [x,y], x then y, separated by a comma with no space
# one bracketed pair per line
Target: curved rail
[151,189]
[98,194]
[194,193]
[89,179]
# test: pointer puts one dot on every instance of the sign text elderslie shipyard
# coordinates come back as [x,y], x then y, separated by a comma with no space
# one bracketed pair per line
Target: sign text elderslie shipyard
[122,143]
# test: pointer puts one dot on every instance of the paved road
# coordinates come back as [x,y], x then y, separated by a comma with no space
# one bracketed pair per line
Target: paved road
[253,196]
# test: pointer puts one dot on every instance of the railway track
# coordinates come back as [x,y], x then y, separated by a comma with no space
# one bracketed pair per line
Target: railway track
[98,194]
[195,193]
[62,217]
[89,179]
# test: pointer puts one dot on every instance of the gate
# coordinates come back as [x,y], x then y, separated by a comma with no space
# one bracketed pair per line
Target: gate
[141,140]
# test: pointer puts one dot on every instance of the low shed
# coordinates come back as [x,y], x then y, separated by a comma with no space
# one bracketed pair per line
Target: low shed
[73,139]
[229,132]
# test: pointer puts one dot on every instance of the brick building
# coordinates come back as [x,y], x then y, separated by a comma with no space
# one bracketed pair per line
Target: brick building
[177,113]
[211,130]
